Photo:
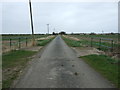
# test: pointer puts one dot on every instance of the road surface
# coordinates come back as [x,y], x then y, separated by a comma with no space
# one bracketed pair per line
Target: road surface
[59,67]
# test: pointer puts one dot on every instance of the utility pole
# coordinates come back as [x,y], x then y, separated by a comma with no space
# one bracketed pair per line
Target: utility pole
[48,28]
[33,38]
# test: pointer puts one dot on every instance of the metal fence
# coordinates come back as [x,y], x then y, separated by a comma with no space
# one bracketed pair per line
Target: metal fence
[14,43]
[103,43]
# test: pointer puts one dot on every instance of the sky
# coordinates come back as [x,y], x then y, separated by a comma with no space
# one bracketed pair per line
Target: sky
[71,17]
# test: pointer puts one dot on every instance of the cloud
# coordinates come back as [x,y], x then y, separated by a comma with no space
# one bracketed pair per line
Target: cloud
[0,18]
[70,17]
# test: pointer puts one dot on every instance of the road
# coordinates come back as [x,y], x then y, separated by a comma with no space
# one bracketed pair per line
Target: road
[59,67]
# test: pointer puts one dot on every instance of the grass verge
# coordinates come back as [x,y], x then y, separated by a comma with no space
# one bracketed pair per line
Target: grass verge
[12,64]
[71,43]
[104,46]
[107,66]
[44,42]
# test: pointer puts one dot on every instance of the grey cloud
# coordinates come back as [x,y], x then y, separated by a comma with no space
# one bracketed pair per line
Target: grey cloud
[70,17]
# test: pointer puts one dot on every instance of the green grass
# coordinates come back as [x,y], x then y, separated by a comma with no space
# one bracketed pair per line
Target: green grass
[23,37]
[14,60]
[104,46]
[10,59]
[15,39]
[96,44]
[105,36]
[72,43]
[107,66]
[80,43]
[44,42]
[98,36]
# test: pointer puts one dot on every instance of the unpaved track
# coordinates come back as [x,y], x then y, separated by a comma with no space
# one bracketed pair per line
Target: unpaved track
[59,67]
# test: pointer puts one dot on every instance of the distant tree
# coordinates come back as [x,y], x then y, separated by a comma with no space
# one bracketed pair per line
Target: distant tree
[112,33]
[84,33]
[92,33]
[62,33]
[54,33]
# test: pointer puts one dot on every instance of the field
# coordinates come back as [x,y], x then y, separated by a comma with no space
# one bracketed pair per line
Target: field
[72,43]
[13,42]
[101,42]
[22,36]
[44,42]
[114,37]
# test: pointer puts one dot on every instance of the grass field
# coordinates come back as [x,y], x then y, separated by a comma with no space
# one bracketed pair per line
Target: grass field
[13,42]
[97,37]
[12,63]
[44,42]
[106,44]
[72,43]
[115,36]
[107,66]
[22,37]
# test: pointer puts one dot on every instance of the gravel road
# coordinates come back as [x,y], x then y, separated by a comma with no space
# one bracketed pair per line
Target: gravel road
[59,67]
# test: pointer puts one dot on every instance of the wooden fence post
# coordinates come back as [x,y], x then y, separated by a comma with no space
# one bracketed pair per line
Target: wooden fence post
[10,43]
[91,41]
[100,43]
[111,45]
[19,43]
[26,41]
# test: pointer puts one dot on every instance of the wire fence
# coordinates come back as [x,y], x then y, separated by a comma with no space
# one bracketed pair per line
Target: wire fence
[101,43]
[15,43]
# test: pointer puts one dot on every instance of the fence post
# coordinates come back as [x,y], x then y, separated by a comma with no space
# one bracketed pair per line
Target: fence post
[111,45]
[26,41]
[10,43]
[19,43]
[99,43]
[91,41]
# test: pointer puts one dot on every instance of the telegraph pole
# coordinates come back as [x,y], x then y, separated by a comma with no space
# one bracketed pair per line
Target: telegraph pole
[48,28]
[32,23]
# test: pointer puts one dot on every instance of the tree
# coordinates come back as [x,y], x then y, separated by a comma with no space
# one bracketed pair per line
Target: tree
[92,33]
[62,33]
[54,33]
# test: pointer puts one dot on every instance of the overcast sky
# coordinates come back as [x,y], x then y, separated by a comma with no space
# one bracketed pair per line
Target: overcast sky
[79,17]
